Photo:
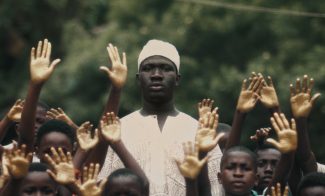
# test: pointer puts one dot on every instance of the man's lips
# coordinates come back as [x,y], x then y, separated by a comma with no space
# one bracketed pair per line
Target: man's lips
[238,183]
[156,86]
[267,179]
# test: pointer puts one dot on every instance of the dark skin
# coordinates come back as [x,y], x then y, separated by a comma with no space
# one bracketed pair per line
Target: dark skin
[238,174]
[121,186]
[267,160]
[158,78]
[313,191]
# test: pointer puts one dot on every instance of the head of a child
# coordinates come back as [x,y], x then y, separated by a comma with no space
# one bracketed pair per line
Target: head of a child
[238,171]
[125,182]
[312,185]
[37,182]
[267,160]
[54,133]
[40,117]
[223,128]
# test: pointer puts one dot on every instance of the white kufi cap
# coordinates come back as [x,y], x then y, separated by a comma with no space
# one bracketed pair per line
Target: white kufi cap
[159,48]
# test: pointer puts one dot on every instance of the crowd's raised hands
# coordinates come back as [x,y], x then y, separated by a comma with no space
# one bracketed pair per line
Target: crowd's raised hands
[301,98]
[84,135]
[59,114]
[111,128]
[117,73]
[41,67]
[15,111]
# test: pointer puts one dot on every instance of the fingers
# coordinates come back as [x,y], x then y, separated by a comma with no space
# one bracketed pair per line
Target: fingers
[124,59]
[32,54]
[286,191]
[292,91]
[304,84]
[106,69]
[51,174]
[85,174]
[243,87]
[285,121]
[278,121]
[39,49]
[204,160]
[293,124]
[270,82]
[45,46]
[50,160]
[102,184]
[298,87]
[54,63]
[311,85]
[217,138]
[49,51]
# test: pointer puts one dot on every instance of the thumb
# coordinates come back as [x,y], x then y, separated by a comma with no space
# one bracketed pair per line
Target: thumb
[106,70]
[273,143]
[314,98]
[54,63]
[204,160]
[51,174]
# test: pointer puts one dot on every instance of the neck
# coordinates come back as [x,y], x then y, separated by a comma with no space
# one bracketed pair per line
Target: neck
[167,108]
[229,194]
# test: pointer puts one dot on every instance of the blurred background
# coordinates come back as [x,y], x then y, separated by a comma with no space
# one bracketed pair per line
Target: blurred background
[220,42]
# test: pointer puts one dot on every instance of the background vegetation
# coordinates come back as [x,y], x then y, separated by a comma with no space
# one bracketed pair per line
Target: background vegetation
[219,47]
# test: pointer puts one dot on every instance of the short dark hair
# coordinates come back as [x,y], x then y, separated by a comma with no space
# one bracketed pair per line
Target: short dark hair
[311,180]
[38,167]
[55,126]
[125,172]
[240,149]
[43,105]
[264,146]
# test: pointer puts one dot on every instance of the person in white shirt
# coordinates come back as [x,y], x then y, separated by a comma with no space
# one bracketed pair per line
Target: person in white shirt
[154,134]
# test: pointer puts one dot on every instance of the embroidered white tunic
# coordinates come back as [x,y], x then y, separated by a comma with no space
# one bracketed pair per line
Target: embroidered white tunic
[156,151]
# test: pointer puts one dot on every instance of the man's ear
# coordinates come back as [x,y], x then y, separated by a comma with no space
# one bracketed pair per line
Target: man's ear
[219,178]
[178,78]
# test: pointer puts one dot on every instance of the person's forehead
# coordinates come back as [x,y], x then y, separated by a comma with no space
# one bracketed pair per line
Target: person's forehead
[314,191]
[157,60]
[238,157]
[38,178]
[269,153]
[55,139]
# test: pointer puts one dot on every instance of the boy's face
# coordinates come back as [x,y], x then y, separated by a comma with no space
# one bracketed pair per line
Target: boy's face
[123,186]
[56,140]
[267,160]
[158,78]
[37,183]
[313,191]
[237,174]
[40,117]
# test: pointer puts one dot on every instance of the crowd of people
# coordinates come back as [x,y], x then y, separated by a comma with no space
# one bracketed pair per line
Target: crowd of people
[157,150]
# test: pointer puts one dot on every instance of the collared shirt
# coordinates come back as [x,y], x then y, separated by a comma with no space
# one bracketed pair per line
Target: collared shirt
[156,150]
[320,168]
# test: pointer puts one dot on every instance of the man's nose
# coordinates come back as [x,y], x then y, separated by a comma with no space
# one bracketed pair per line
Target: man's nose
[238,172]
[269,168]
[156,73]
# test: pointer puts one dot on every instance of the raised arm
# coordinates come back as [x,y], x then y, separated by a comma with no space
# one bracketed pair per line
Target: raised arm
[286,144]
[111,131]
[41,68]
[191,167]
[14,115]
[117,75]
[247,100]
[302,101]
[207,139]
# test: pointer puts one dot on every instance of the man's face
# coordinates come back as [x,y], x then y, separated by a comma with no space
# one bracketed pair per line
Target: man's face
[158,78]
[267,160]
[237,175]
[37,183]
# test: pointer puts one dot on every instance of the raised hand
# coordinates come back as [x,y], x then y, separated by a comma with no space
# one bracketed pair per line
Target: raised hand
[261,134]
[40,66]
[206,135]
[269,97]
[118,72]
[61,163]
[18,161]
[248,97]
[204,107]
[59,114]
[15,111]
[85,140]
[287,135]
[301,99]
[89,186]
[277,191]
[111,127]
[191,166]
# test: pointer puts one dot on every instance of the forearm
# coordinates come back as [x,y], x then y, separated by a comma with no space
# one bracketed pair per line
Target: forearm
[236,129]
[98,153]
[283,169]
[275,109]
[295,177]
[128,160]
[305,156]
[4,126]
[191,187]
[112,104]
[203,183]
[79,158]
[27,124]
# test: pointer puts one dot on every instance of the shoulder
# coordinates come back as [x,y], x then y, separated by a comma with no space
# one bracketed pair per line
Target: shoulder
[134,115]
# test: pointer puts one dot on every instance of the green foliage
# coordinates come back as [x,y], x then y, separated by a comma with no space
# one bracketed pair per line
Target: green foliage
[219,48]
